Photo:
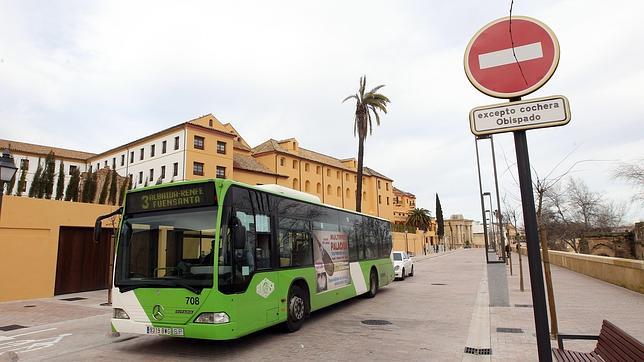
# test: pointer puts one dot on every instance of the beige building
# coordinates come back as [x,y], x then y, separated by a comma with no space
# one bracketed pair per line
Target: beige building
[458,231]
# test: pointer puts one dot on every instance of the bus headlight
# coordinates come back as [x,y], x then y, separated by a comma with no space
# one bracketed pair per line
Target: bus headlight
[212,318]
[119,313]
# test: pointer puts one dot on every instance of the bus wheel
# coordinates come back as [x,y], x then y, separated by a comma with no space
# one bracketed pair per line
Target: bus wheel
[297,305]
[373,285]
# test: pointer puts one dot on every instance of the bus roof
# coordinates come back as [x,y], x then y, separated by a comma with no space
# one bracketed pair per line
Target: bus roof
[269,189]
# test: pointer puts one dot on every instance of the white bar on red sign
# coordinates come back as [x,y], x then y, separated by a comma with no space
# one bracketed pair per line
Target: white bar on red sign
[506,56]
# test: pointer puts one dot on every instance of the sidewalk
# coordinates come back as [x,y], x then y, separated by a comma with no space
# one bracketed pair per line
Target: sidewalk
[24,314]
[582,303]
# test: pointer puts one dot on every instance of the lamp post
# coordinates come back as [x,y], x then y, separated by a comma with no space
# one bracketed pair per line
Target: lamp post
[7,171]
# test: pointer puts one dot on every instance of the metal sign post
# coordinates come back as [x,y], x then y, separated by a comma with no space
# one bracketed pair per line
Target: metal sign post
[510,58]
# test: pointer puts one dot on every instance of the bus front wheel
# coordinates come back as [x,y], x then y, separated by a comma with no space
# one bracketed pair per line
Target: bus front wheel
[296,307]
[373,285]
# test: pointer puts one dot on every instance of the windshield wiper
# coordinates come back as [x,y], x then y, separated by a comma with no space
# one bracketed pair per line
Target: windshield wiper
[159,283]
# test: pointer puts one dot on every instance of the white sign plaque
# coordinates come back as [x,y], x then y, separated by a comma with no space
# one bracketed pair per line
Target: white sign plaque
[515,116]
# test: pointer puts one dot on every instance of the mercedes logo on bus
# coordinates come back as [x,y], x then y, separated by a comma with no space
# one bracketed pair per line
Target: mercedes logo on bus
[157,312]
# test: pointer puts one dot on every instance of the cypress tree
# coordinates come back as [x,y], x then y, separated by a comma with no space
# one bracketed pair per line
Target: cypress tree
[22,182]
[103,196]
[87,188]
[60,183]
[113,187]
[36,183]
[47,188]
[127,184]
[440,228]
[71,192]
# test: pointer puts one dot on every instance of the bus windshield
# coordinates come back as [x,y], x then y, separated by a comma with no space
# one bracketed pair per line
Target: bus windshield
[171,248]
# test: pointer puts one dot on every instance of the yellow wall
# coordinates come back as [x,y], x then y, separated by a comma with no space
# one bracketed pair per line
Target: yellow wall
[253,178]
[414,243]
[208,156]
[29,242]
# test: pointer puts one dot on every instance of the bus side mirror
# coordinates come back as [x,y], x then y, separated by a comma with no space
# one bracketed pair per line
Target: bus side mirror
[239,234]
[97,230]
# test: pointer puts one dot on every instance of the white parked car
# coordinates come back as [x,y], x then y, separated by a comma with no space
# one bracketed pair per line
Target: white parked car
[403,265]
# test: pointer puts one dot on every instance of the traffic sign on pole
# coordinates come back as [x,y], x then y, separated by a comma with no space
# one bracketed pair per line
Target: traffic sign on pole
[521,115]
[511,57]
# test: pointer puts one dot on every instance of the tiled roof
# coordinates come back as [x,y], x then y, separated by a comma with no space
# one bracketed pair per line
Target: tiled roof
[274,146]
[250,164]
[44,150]
[408,194]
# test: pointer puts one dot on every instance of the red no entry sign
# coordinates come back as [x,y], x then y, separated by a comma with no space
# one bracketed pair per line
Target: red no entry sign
[507,65]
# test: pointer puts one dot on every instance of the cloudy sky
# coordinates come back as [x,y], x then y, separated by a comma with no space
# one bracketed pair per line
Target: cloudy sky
[93,75]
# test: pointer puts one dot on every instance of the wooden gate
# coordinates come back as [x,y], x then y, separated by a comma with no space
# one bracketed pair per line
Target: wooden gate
[83,264]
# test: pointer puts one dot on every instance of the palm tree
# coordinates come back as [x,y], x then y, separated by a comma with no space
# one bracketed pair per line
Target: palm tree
[366,104]
[419,218]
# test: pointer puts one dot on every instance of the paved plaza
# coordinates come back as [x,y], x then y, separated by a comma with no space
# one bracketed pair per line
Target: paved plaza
[433,316]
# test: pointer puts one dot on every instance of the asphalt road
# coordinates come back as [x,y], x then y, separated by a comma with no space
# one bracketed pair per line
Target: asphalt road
[429,316]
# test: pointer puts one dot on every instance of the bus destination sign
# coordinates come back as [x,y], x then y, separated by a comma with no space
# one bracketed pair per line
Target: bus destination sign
[165,198]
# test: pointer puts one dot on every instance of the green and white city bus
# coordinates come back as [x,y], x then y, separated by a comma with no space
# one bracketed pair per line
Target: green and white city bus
[219,259]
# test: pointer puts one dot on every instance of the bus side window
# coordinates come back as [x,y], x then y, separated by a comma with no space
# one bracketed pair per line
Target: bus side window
[294,234]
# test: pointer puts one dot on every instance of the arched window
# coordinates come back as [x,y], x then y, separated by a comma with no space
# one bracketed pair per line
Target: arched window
[328,189]
[282,161]
[294,163]
[307,186]
[295,184]
[364,197]
[338,192]
[319,188]
[348,196]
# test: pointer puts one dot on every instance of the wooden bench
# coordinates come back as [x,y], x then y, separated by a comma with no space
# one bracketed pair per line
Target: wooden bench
[613,344]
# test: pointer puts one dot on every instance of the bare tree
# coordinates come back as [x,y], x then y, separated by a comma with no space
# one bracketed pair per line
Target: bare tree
[632,173]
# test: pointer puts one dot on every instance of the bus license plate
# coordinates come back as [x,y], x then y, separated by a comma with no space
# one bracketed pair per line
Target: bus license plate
[165,331]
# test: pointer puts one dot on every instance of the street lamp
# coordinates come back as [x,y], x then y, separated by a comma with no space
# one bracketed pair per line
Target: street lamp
[7,171]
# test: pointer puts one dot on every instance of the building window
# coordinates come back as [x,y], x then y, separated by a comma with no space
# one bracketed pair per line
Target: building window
[221,147]
[210,122]
[221,172]
[294,163]
[282,161]
[387,200]
[152,147]
[387,186]
[317,169]
[113,163]
[122,159]
[24,164]
[197,168]
[346,177]
[337,174]
[141,152]
[318,189]
[151,175]
[175,169]
[105,163]
[338,192]
[307,186]
[295,184]
[162,172]
[306,167]
[140,177]
[98,166]
[348,194]
[379,199]
[378,183]
[90,169]
[199,142]
[328,189]
[176,143]
[132,157]
[328,172]
[164,146]
[72,169]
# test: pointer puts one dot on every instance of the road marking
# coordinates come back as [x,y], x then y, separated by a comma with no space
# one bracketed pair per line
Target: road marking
[28,333]
[505,56]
